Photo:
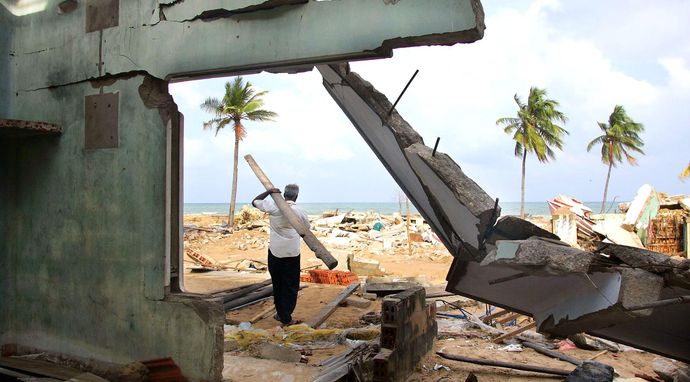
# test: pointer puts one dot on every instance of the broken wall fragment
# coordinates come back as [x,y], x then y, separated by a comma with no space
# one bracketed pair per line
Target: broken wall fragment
[459,211]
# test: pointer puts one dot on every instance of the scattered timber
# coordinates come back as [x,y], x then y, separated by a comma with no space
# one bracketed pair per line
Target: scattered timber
[551,353]
[46,369]
[252,296]
[326,312]
[263,313]
[515,332]
[510,365]
[245,290]
[312,242]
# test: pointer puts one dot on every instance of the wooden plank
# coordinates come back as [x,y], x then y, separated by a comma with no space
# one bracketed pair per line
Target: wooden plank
[508,318]
[263,313]
[331,306]
[40,367]
[510,365]
[493,315]
[12,373]
[312,242]
[551,353]
[245,290]
[502,337]
[253,296]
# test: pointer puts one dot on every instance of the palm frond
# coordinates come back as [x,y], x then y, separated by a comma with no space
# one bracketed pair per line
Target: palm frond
[685,173]
[240,102]
[535,129]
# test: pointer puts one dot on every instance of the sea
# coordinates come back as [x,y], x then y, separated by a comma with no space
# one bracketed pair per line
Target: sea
[386,208]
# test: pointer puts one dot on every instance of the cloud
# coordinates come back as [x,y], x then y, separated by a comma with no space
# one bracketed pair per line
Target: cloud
[577,52]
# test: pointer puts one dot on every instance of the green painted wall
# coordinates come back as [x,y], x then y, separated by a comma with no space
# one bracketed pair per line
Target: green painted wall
[87,245]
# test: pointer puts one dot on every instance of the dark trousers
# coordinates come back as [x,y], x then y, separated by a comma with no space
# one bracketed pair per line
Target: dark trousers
[285,277]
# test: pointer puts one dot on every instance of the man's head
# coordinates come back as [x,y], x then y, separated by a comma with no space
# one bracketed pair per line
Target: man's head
[291,192]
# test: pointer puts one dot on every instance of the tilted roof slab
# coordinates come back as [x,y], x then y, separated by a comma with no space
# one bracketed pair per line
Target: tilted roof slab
[566,290]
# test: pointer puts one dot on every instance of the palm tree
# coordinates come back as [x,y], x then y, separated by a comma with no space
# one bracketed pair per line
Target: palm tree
[620,138]
[534,130]
[240,102]
[685,174]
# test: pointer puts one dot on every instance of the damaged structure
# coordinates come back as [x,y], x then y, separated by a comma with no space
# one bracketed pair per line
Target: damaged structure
[91,157]
[626,294]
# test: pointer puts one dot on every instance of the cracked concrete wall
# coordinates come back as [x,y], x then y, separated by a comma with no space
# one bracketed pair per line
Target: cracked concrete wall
[85,236]
[85,231]
[270,37]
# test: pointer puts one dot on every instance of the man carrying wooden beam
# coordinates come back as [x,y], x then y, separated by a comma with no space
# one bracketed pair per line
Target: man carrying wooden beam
[283,251]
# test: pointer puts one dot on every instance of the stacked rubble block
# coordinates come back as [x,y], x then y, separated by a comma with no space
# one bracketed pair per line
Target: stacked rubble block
[408,329]
[459,211]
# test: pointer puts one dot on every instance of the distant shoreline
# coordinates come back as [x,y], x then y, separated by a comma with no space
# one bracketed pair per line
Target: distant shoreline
[385,208]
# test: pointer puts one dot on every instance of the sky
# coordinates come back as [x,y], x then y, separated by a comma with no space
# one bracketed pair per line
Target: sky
[588,55]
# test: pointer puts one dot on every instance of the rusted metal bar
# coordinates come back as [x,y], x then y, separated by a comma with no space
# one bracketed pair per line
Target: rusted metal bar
[438,139]
[403,92]
[671,301]
[312,242]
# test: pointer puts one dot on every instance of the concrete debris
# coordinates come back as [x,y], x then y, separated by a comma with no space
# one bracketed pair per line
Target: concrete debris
[369,296]
[269,350]
[364,267]
[675,272]
[540,257]
[611,230]
[357,302]
[587,342]
[133,372]
[644,207]
[563,205]
[514,228]
[670,370]
[384,288]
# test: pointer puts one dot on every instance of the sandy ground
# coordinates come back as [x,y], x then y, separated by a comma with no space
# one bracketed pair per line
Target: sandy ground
[428,263]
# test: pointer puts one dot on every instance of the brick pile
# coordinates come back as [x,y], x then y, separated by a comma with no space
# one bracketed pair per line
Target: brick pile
[323,276]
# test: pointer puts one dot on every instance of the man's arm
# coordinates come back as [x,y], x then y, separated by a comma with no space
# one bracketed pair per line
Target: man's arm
[264,194]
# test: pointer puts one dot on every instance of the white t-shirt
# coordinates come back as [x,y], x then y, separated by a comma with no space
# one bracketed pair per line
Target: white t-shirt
[284,240]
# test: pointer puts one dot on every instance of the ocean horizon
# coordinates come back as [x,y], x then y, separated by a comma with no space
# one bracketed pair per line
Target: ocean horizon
[386,208]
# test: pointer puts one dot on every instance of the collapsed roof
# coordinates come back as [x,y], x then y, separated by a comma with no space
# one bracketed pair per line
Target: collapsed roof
[613,292]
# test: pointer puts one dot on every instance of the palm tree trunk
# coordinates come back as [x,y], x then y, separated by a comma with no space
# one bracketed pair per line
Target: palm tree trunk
[233,196]
[522,188]
[606,189]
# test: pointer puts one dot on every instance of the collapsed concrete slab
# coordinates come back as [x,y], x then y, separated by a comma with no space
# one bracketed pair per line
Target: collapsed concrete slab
[514,264]
[514,228]
[540,257]
[675,272]
[459,210]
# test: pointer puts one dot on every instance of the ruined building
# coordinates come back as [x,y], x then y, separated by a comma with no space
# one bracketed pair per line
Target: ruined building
[91,148]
